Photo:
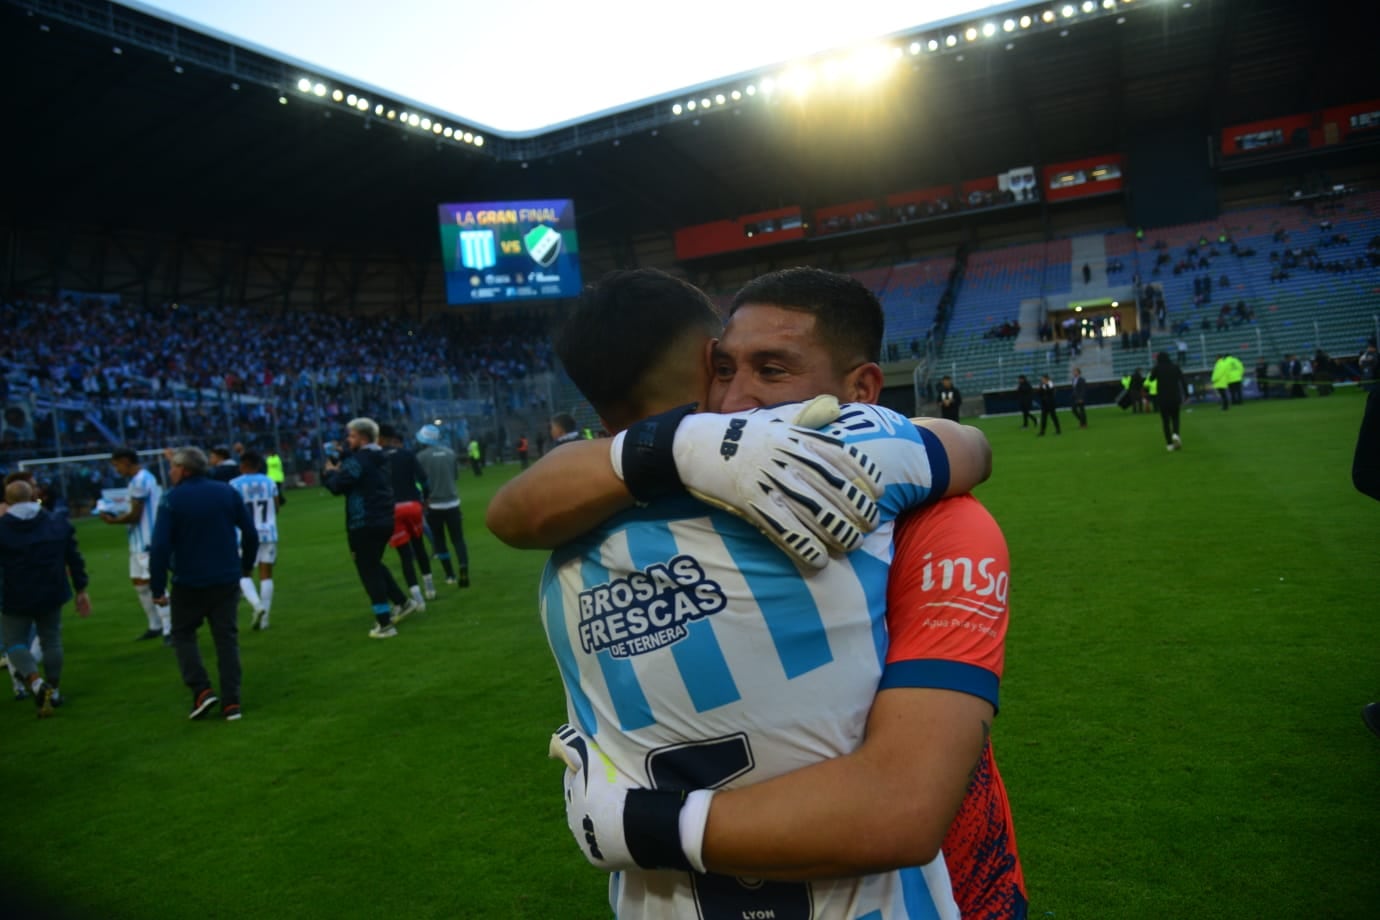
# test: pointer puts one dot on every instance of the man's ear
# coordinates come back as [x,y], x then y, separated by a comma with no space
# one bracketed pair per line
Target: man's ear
[863,383]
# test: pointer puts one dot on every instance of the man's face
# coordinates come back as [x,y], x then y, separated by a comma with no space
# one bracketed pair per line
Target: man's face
[771,355]
[122,467]
[354,439]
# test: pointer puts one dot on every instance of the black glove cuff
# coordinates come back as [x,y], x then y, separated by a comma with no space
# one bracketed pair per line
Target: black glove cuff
[651,828]
[649,467]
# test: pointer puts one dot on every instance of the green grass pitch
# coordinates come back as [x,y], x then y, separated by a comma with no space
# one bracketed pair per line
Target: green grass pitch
[1193,636]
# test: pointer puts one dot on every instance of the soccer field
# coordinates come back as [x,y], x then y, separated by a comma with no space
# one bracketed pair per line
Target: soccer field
[1193,636]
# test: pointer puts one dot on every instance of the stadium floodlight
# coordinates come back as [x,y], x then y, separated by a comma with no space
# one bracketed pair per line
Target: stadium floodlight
[479,140]
[351,99]
[426,124]
[719,99]
[1009,25]
[1047,16]
[970,33]
[319,89]
[692,105]
[1026,21]
[989,29]
[304,85]
[950,40]
[392,114]
[677,109]
[736,95]
[337,95]
[705,102]
[1068,11]
[768,86]
[932,45]
[1089,6]
[798,80]
[750,89]
[1109,4]
[282,100]
[436,128]
[469,138]
[448,132]
[870,64]
[413,120]
[914,47]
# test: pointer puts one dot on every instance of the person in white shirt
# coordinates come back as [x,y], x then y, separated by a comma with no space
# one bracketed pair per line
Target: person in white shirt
[144,495]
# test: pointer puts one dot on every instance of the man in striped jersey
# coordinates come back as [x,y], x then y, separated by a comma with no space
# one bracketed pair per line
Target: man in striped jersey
[687,645]
[263,498]
[144,496]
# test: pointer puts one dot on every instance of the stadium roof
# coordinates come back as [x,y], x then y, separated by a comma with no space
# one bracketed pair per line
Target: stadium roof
[125,120]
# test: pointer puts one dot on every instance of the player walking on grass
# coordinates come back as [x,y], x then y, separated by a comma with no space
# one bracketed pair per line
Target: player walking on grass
[443,504]
[144,497]
[409,483]
[362,476]
[263,497]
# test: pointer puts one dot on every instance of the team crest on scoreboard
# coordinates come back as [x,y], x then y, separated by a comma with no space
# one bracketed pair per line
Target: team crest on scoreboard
[647,610]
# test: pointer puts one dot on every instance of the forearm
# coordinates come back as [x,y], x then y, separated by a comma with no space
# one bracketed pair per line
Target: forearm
[563,495]
[969,454]
[886,805]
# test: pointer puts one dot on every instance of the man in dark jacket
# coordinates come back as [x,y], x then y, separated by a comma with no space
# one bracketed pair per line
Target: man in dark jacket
[363,476]
[224,465]
[950,399]
[195,536]
[409,483]
[1080,397]
[38,555]
[1025,396]
[1171,392]
[1047,405]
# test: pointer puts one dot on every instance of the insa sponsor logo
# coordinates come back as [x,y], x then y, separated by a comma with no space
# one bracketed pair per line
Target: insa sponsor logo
[648,609]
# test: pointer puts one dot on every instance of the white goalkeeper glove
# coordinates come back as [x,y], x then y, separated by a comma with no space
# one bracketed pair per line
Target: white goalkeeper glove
[809,493]
[620,826]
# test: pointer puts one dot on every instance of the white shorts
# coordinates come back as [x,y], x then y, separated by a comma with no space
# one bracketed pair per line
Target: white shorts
[139,566]
[268,554]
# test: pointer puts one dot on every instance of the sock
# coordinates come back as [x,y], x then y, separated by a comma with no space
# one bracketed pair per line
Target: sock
[35,682]
[165,617]
[428,583]
[265,594]
[145,594]
[251,595]
[416,593]
[383,613]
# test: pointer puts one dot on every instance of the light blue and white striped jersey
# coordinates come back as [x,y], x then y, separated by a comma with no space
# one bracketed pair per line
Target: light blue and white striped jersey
[143,486]
[697,655]
[260,494]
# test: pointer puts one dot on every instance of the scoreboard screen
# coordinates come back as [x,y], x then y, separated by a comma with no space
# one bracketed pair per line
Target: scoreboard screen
[509,250]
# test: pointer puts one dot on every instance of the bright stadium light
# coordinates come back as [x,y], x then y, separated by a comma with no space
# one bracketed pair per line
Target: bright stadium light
[768,86]
[426,124]
[378,109]
[1109,4]
[736,95]
[950,40]
[319,89]
[351,99]
[914,47]
[798,80]
[282,100]
[436,128]
[932,45]
[1009,25]
[970,33]
[705,102]
[1068,11]
[751,89]
[337,95]
[677,109]
[479,140]
[869,64]
[362,105]
[1089,6]
[448,132]
[1047,16]
[719,99]
[692,105]
[413,120]
[392,114]
[989,29]
[304,85]
[1026,21]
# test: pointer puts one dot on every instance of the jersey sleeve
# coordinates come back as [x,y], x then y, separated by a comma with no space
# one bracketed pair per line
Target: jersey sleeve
[914,465]
[139,486]
[947,600]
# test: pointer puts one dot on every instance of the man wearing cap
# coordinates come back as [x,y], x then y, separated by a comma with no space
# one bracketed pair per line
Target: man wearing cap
[443,504]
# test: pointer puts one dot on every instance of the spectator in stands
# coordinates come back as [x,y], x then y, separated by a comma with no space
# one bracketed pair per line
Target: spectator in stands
[950,399]
[1025,398]
[1087,273]
[1048,410]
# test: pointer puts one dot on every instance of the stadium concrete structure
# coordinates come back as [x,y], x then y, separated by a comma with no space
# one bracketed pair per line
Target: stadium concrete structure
[167,166]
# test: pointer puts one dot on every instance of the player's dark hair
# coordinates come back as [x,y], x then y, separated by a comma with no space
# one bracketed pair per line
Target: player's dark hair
[387,431]
[20,476]
[254,460]
[622,327]
[221,450]
[848,316]
[124,453]
[565,420]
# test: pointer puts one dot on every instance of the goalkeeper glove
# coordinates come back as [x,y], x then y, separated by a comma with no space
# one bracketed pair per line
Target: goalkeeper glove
[620,826]
[808,492]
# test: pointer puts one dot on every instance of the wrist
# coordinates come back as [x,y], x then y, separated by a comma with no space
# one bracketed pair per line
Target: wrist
[643,456]
[651,828]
